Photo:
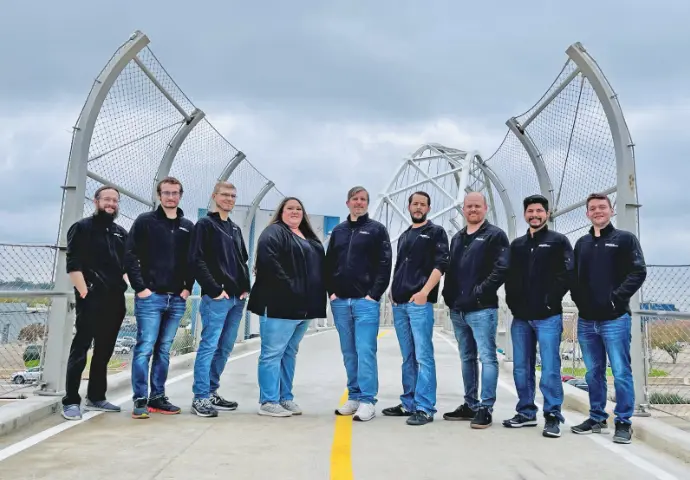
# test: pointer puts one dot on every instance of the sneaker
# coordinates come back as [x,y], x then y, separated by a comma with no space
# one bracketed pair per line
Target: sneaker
[139,410]
[463,412]
[482,419]
[162,405]
[519,421]
[590,426]
[420,418]
[71,412]
[397,411]
[365,412]
[203,408]
[274,410]
[552,427]
[222,404]
[348,408]
[101,406]
[623,433]
[291,406]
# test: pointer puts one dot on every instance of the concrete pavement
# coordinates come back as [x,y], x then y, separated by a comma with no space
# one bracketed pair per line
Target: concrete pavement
[243,445]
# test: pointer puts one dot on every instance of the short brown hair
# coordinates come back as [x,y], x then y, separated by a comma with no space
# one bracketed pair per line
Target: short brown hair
[223,184]
[171,181]
[355,190]
[97,194]
[597,196]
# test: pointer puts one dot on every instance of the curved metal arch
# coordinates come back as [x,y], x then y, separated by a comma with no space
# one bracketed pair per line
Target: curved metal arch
[502,192]
[255,206]
[172,149]
[227,171]
[543,177]
[74,190]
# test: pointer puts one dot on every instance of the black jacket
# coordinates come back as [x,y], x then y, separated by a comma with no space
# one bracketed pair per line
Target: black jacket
[157,251]
[289,276]
[420,251]
[218,257]
[96,248]
[358,259]
[608,270]
[539,274]
[476,269]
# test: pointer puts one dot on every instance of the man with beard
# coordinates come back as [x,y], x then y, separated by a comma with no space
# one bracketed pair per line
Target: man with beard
[539,275]
[95,254]
[218,259]
[422,257]
[358,269]
[158,270]
[609,270]
[476,270]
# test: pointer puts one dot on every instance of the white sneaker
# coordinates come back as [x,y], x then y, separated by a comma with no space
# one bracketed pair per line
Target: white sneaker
[365,412]
[291,406]
[348,408]
[274,410]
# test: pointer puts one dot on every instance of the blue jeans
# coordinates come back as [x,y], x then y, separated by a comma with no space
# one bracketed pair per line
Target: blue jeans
[158,317]
[220,321]
[476,333]
[357,322]
[279,346]
[526,335]
[597,340]
[414,327]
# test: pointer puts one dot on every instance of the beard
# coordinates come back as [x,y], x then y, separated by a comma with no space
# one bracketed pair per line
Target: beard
[101,214]
[421,219]
[541,222]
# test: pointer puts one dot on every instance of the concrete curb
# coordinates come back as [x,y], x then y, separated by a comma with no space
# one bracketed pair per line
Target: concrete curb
[653,432]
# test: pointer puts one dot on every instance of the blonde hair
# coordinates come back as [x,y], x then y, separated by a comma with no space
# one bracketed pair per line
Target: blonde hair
[216,188]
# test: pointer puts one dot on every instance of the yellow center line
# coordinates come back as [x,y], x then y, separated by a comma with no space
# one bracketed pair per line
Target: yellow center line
[341,450]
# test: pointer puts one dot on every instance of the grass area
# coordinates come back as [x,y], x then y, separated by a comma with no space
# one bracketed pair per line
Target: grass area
[580,372]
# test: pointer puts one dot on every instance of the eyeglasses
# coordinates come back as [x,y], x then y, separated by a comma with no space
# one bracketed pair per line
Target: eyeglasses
[170,194]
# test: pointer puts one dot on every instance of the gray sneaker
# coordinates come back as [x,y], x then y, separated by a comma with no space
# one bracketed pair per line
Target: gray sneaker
[101,406]
[71,412]
[274,410]
[291,406]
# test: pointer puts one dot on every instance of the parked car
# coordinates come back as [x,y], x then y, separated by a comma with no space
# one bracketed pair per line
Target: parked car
[30,375]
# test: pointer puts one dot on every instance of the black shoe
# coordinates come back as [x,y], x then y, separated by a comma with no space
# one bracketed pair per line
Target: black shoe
[623,433]
[398,411]
[203,408]
[420,418]
[463,412]
[482,419]
[222,404]
[590,426]
[552,428]
[519,421]
[162,405]
[139,410]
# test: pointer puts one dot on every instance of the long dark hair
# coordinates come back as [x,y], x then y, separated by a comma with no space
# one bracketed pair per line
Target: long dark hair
[304,226]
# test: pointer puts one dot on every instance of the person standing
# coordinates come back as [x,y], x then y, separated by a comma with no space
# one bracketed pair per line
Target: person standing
[477,268]
[538,277]
[609,269]
[158,270]
[358,269]
[95,255]
[422,258]
[288,293]
[218,259]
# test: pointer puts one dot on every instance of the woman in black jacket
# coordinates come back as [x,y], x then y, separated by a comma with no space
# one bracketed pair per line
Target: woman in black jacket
[289,291]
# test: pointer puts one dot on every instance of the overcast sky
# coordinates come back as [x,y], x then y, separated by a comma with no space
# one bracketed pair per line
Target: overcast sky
[337,96]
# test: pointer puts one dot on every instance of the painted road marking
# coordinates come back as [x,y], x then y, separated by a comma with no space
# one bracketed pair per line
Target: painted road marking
[37,438]
[341,450]
[619,450]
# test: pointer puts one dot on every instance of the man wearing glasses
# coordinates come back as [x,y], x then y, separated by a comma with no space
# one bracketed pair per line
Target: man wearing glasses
[157,267]
[95,251]
[218,259]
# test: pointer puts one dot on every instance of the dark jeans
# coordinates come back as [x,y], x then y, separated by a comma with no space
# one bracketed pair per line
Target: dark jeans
[526,335]
[158,317]
[99,318]
[597,340]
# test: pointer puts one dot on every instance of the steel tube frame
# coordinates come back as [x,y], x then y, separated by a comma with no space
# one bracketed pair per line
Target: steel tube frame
[162,89]
[172,149]
[581,203]
[61,317]
[550,98]
[122,190]
[626,196]
[227,171]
